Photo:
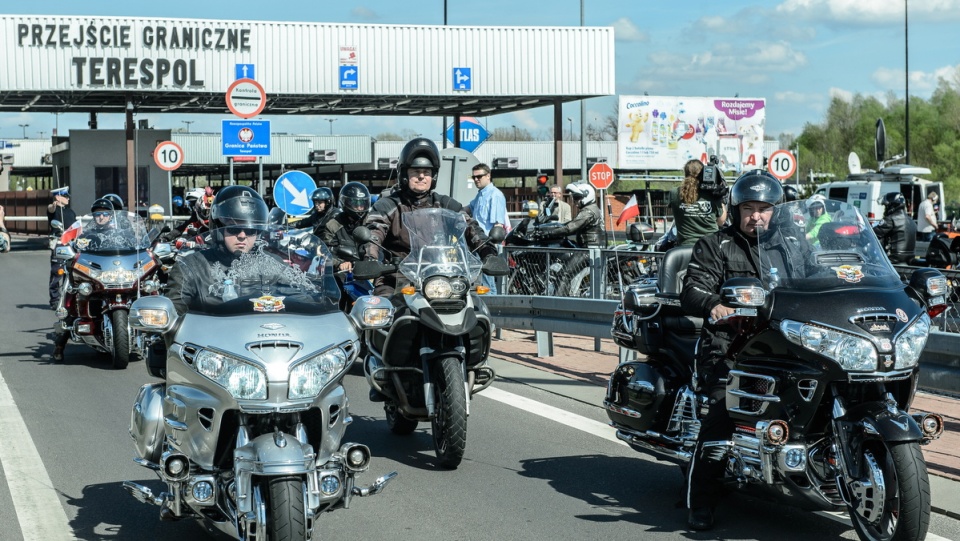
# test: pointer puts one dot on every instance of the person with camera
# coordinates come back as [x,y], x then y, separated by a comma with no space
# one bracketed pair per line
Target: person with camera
[897,232]
[697,204]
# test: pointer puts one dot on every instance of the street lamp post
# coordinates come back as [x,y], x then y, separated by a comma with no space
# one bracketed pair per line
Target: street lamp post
[188,122]
[24,126]
[514,131]
[41,134]
[571,127]
[331,121]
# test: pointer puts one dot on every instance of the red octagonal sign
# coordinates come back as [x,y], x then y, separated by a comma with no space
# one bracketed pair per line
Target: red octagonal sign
[601,176]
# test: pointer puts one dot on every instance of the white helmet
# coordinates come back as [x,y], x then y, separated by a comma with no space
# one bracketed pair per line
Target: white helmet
[582,193]
[194,195]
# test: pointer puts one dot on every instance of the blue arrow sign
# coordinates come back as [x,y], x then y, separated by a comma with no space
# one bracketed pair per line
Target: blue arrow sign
[245,137]
[462,79]
[349,77]
[291,192]
[245,71]
[472,134]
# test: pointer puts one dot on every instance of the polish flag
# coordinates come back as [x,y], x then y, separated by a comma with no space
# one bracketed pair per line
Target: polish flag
[632,210]
[71,233]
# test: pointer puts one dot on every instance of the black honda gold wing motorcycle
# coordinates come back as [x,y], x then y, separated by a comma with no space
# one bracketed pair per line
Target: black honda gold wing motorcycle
[823,375]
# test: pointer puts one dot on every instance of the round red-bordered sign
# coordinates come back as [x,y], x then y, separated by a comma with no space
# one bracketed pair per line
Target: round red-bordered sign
[782,164]
[246,98]
[168,156]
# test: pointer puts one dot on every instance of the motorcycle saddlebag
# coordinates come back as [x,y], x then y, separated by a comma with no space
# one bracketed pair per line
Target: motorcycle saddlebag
[635,394]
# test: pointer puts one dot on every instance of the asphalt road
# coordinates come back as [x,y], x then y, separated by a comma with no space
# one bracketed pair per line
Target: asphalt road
[539,465]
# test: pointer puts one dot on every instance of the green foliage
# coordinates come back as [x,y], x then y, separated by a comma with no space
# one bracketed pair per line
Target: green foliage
[850,126]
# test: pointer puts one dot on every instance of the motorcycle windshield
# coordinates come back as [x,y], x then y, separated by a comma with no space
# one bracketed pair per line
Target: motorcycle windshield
[438,246]
[822,245]
[111,232]
[277,272]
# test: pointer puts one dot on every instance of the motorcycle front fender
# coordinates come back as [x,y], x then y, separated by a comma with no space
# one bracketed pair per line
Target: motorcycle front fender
[869,422]
[264,457]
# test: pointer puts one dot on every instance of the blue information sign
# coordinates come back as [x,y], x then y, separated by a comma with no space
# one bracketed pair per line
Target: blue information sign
[245,71]
[349,79]
[472,134]
[462,79]
[245,137]
[291,192]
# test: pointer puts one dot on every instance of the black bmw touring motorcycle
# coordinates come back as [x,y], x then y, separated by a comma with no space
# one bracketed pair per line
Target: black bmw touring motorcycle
[823,374]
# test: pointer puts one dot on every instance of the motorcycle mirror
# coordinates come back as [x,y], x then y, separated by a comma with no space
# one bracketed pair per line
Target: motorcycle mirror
[497,233]
[347,252]
[362,234]
[368,270]
[163,250]
[56,224]
[153,313]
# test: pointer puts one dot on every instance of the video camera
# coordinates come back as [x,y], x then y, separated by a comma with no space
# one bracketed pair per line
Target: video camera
[711,179]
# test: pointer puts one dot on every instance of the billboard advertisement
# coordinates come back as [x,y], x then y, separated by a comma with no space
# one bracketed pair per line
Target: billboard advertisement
[664,132]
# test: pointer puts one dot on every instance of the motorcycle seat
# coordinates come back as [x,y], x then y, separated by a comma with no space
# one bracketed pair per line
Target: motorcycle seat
[672,271]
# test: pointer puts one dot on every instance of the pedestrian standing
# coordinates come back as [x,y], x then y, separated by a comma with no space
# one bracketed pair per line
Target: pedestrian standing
[927,217]
[557,206]
[488,208]
[58,209]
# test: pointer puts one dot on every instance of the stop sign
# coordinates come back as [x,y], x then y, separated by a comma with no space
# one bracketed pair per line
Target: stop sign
[601,176]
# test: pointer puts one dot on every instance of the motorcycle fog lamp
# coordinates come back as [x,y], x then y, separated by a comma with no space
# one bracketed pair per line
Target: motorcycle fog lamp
[932,425]
[203,491]
[308,378]
[793,458]
[777,432]
[329,485]
[437,288]
[910,343]
[85,289]
[357,457]
[151,286]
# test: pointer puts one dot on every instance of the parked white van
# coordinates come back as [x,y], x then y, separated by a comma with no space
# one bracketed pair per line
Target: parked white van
[865,190]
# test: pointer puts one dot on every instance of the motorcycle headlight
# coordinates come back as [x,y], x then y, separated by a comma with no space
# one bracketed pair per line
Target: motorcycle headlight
[116,277]
[910,343]
[242,380]
[308,378]
[851,352]
[437,288]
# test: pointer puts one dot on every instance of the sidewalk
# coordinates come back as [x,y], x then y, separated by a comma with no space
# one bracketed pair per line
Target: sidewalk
[574,357]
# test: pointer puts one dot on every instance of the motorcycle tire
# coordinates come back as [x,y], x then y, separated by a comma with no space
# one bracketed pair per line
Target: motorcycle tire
[286,519]
[121,339]
[450,422]
[579,285]
[397,423]
[904,511]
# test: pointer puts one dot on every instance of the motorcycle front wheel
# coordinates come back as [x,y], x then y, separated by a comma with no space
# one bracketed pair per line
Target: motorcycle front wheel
[450,422]
[121,339]
[286,519]
[893,496]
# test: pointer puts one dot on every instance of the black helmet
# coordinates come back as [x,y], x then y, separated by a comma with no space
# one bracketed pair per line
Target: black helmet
[755,185]
[102,203]
[790,194]
[355,200]
[115,199]
[893,202]
[419,152]
[322,194]
[239,205]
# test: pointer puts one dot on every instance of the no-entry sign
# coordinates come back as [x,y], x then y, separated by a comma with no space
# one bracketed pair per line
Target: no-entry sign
[601,176]
[246,98]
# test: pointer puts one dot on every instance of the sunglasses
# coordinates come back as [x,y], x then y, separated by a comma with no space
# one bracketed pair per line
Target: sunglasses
[477,177]
[102,213]
[233,231]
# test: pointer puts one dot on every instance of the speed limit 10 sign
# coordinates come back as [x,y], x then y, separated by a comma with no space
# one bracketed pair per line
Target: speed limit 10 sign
[168,156]
[782,164]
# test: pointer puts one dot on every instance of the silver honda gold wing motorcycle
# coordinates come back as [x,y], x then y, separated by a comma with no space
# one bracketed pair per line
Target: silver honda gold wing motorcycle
[824,372]
[246,428]
[428,355]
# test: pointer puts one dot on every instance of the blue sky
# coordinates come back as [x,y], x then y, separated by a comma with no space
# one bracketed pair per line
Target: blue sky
[796,54]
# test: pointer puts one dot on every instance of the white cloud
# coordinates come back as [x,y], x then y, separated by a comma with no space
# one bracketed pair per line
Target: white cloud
[799,98]
[625,30]
[364,13]
[527,120]
[752,62]
[844,95]
[921,82]
[869,12]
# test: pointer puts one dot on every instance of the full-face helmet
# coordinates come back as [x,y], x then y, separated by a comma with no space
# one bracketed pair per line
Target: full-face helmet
[893,202]
[582,193]
[355,200]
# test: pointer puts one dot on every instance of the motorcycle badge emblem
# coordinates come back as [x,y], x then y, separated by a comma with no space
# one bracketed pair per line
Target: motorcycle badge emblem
[268,303]
[272,326]
[901,315]
[372,300]
[116,263]
[849,273]
[82,244]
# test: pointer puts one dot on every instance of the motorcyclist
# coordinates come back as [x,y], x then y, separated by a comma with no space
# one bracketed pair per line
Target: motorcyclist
[322,198]
[354,204]
[897,232]
[195,227]
[818,216]
[418,166]
[731,252]
[588,225]
[790,194]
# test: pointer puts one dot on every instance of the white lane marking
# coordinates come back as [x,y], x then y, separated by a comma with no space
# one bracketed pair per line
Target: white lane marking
[579,422]
[604,431]
[39,510]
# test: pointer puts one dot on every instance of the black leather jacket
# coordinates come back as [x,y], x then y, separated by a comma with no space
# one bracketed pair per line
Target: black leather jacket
[588,226]
[898,234]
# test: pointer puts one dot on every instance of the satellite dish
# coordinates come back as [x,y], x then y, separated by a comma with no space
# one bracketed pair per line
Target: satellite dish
[853,163]
[880,144]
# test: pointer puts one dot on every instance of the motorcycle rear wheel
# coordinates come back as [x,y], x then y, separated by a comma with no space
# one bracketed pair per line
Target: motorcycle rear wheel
[286,519]
[450,422]
[121,339]
[896,501]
